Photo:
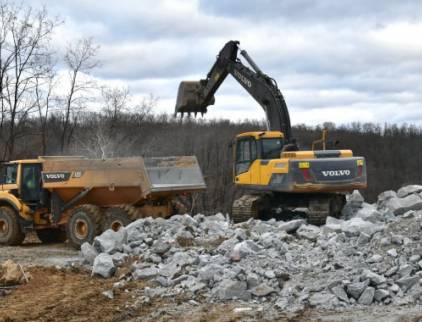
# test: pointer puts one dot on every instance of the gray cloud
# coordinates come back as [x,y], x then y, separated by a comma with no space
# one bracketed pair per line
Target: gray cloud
[334,60]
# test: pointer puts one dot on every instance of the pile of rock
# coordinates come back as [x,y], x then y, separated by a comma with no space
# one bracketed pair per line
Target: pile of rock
[372,255]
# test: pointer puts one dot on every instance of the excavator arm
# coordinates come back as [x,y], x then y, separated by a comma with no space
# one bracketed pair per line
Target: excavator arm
[195,97]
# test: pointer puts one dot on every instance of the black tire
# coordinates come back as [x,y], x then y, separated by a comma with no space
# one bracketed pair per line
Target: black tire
[53,235]
[115,218]
[83,225]
[10,231]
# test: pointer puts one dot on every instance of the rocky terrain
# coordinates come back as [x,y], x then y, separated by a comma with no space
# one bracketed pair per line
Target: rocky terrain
[372,256]
[364,266]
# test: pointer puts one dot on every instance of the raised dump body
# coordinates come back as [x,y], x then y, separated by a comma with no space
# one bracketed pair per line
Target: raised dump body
[83,197]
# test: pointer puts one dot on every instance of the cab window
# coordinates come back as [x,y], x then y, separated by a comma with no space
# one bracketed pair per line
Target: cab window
[271,148]
[9,174]
[246,153]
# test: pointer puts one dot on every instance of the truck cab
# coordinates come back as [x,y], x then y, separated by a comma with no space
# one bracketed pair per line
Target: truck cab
[22,179]
[20,196]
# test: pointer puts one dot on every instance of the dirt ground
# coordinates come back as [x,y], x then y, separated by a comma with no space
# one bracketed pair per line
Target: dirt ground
[71,294]
[33,253]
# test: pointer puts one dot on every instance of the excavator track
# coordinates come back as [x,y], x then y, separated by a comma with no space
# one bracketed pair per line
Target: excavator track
[245,208]
[321,208]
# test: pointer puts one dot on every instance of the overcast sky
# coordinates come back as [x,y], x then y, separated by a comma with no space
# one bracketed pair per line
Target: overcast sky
[339,61]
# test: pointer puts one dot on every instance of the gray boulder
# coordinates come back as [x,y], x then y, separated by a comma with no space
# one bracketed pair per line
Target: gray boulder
[207,273]
[145,273]
[408,190]
[230,289]
[110,241]
[340,293]
[160,247]
[243,249]
[381,294]
[407,282]
[369,213]
[322,300]
[392,252]
[291,226]
[193,284]
[119,258]
[103,266]
[88,252]
[355,226]
[405,270]
[401,205]
[332,225]
[170,270]
[367,296]
[309,232]
[374,278]
[363,239]
[356,289]
[384,196]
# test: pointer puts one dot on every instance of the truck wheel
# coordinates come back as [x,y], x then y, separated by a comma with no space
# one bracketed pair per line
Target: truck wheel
[10,231]
[116,218]
[83,225]
[54,235]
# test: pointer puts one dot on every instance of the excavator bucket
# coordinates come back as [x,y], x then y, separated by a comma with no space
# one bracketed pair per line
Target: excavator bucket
[189,99]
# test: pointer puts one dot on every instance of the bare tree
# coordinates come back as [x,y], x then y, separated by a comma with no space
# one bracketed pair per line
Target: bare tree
[24,57]
[80,60]
[44,101]
[115,102]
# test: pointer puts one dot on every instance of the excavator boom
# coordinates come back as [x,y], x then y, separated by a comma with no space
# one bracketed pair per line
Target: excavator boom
[196,96]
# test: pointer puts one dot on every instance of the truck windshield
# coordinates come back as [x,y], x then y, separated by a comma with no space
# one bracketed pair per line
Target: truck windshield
[271,148]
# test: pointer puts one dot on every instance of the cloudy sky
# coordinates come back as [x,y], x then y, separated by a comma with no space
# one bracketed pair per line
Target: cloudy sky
[339,61]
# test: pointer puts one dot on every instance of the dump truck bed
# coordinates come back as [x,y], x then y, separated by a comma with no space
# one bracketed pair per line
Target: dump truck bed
[123,180]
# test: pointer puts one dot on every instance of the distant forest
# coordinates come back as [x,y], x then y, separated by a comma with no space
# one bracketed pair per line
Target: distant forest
[393,153]
[45,96]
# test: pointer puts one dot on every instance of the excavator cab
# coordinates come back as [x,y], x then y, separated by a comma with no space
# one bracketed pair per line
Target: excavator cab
[189,99]
[253,150]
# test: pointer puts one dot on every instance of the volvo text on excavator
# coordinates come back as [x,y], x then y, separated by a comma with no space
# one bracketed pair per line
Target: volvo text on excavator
[269,163]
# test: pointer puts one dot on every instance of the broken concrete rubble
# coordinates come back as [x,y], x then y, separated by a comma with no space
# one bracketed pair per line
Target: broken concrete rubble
[372,255]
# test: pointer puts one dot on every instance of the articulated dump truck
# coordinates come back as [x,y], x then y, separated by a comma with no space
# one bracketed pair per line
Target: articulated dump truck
[77,198]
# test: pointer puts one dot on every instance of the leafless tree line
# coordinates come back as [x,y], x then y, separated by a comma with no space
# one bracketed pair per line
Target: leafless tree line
[29,81]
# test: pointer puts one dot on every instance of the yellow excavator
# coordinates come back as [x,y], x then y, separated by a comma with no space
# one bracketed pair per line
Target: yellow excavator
[268,163]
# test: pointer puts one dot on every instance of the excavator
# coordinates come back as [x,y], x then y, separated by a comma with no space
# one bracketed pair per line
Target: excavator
[277,176]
